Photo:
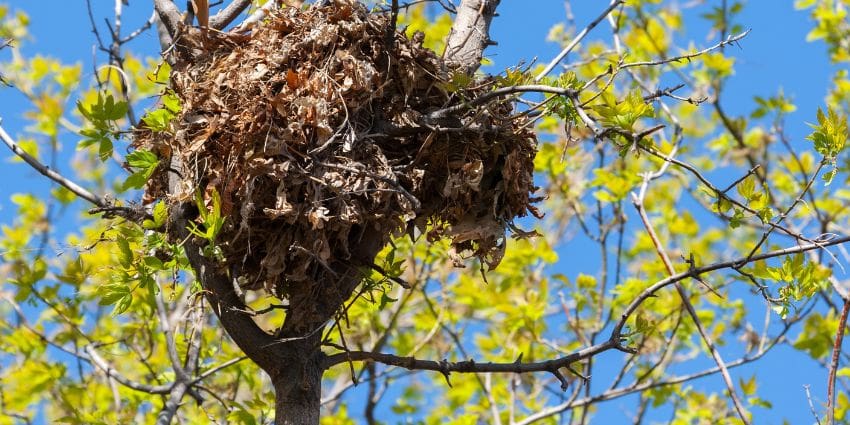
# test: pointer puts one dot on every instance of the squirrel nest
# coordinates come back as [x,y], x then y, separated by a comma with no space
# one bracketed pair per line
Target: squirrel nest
[313,131]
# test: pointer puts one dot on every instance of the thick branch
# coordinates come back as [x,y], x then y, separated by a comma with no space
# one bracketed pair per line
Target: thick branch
[470,34]
[169,15]
[165,39]
[257,344]
[175,396]
[229,13]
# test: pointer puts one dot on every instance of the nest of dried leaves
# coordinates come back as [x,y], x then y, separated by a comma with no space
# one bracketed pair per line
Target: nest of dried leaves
[313,131]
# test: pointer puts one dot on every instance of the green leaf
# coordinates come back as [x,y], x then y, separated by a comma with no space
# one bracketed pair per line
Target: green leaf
[125,254]
[748,387]
[146,163]
[142,159]
[747,187]
[111,293]
[623,114]
[159,119]
[737,218]
[386,299]
[160,215]
[830,133]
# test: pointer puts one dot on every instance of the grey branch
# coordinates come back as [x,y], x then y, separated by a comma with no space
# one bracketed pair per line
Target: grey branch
[470,34]
[228,14]
[169,15]
[111,373]
[165,39]
[553,366]
[257,16]
[470,366]
[51,174]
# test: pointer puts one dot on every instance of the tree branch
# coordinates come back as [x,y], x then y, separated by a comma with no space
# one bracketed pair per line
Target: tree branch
[495,94]
[95,358]
[833,366]
[631,389]
[255,17]
[168,334]
[166,41]
[256,343]
[169,409]
[470,366]
[470,34]
[580,36]
[215,369]
[225,16]
[730,264]
[689,56]
[51,174]
[169,15]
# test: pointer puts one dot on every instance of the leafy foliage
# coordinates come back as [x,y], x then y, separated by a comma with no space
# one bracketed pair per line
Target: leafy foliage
[103,129]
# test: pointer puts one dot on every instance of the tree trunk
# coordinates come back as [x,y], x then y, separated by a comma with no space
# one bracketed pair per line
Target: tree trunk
[298,384]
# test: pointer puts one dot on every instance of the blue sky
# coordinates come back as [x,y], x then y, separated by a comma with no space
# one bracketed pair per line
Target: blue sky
[774,55]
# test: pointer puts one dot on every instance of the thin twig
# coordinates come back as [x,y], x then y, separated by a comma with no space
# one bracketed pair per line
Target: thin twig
[729,264]
[168,334]
[833,366]
[688,56]
[146,26]
[790,208]
[495,94]
[811,405]
[696,173]
[215,369]
[111,373]
[621,392]
[580,36]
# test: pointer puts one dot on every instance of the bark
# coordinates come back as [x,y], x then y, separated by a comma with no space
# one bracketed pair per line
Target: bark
[298,386]
[470,34]
[169,15]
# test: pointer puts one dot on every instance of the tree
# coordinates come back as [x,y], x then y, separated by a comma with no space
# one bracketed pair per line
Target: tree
[291,218]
